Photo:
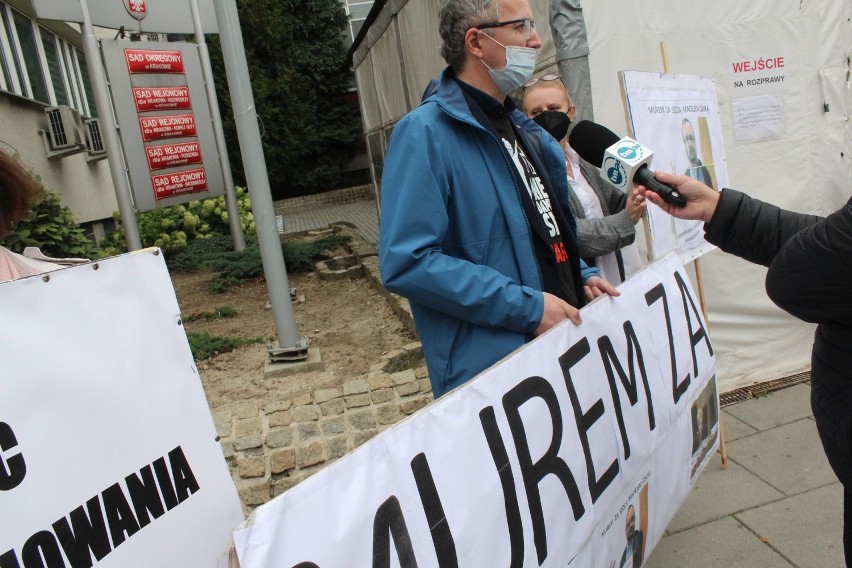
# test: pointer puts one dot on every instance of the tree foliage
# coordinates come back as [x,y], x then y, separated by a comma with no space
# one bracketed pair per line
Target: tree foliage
[297,64]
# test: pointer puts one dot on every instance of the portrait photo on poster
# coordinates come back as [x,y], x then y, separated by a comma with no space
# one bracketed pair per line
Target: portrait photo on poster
[632,517]
[705,425]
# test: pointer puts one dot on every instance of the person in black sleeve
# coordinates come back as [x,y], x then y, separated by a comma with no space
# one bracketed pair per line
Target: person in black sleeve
[810,269]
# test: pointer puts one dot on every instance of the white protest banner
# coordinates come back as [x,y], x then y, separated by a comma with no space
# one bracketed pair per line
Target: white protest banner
[678,117]
[108,453]
[577,449]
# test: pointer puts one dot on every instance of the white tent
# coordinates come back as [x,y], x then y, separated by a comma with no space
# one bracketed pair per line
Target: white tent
[806,167]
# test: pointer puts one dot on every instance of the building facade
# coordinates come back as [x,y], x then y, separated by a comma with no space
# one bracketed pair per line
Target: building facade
[42,66]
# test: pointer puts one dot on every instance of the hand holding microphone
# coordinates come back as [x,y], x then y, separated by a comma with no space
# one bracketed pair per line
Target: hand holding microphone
[623,162]
[701,200]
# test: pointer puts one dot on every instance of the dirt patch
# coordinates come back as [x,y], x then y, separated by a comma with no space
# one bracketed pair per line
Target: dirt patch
[348,320]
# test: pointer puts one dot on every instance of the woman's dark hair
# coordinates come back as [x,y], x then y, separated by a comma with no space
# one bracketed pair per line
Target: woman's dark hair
[18,190]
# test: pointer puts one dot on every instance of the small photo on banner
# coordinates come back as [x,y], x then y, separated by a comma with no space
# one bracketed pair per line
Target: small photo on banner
[626,533]
[705,426]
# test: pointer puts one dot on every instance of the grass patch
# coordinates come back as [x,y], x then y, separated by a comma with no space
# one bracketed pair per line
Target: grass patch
[219,312]
[204,345]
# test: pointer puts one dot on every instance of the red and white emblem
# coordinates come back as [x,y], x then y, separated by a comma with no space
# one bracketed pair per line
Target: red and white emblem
[136,8]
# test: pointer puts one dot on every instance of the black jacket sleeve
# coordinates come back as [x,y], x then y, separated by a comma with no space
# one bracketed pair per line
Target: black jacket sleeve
[811,276]
[751,229]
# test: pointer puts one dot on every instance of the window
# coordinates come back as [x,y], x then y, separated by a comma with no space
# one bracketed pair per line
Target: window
[357,10]
[31,59]
[37,64]
[87,85]
[9,39]
[54,67]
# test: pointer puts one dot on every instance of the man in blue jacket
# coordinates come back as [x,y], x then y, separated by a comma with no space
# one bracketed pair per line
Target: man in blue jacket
[476,228]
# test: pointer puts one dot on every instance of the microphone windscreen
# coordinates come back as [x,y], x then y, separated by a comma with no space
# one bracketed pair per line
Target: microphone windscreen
[590,140]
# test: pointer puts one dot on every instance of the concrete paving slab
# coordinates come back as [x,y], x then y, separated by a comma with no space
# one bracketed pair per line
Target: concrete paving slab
[790,457]
[723,543]
[807,529]
[719,493]
[735,428]
[774,409]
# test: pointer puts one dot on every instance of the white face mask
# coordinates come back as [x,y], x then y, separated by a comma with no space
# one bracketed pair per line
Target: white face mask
[520,66]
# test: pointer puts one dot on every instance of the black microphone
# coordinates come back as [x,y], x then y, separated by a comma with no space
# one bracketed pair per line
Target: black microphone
[623,161]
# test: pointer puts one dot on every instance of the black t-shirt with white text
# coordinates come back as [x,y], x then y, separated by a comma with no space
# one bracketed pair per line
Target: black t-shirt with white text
[542,211]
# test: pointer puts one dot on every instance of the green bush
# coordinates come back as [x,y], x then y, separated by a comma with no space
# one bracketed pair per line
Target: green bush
[198,253]
[301,257]
[232,266]
[50,226]
[173,228]
[204,345]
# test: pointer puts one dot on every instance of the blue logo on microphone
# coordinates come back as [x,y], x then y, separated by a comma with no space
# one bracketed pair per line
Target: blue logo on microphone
[630,151]
[614,171]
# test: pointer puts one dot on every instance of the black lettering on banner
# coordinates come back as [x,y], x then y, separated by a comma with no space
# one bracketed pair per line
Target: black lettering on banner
[165,482]
[42,550]
[118,514]
[144,495]
[658,292]
[185,483]
[9,560]
[549,463]
[390,523]
[86,532]
[507,482]
[12,469]
[629,382]
[442,537]
[701,333]
[585,420]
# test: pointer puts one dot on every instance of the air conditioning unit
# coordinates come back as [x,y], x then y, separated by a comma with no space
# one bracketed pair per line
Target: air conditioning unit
[94,141]
[64,128]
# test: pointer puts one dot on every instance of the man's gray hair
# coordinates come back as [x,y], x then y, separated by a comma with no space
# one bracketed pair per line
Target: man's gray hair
[458,16]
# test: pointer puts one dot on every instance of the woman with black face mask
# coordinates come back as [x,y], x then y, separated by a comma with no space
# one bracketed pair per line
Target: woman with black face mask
[606,217]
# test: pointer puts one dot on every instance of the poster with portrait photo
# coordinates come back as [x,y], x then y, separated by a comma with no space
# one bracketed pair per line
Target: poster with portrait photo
[704,414]
[677,116]
[625,533]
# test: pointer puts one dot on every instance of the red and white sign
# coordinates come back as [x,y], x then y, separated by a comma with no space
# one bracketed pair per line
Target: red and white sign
[136,8]
[154,61]
[172,126]
[189,181]
[161,98]
[171,155]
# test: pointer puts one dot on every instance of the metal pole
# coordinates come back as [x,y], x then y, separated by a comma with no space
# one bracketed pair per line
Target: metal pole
[237,235]
[375,182]
[254,163]
[112,144]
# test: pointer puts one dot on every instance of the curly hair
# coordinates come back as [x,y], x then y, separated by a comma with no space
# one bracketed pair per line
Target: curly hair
[458,16]
[18,190]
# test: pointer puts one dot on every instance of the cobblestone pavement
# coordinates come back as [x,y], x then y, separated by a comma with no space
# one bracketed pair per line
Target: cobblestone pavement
[362,214]
[272,448]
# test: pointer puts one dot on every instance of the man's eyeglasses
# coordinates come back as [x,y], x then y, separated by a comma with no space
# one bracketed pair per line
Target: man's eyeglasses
[528,25]
[548,77]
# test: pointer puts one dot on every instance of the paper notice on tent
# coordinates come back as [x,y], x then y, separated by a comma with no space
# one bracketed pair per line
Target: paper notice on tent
[108,452]
[677,116]
[577,449]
